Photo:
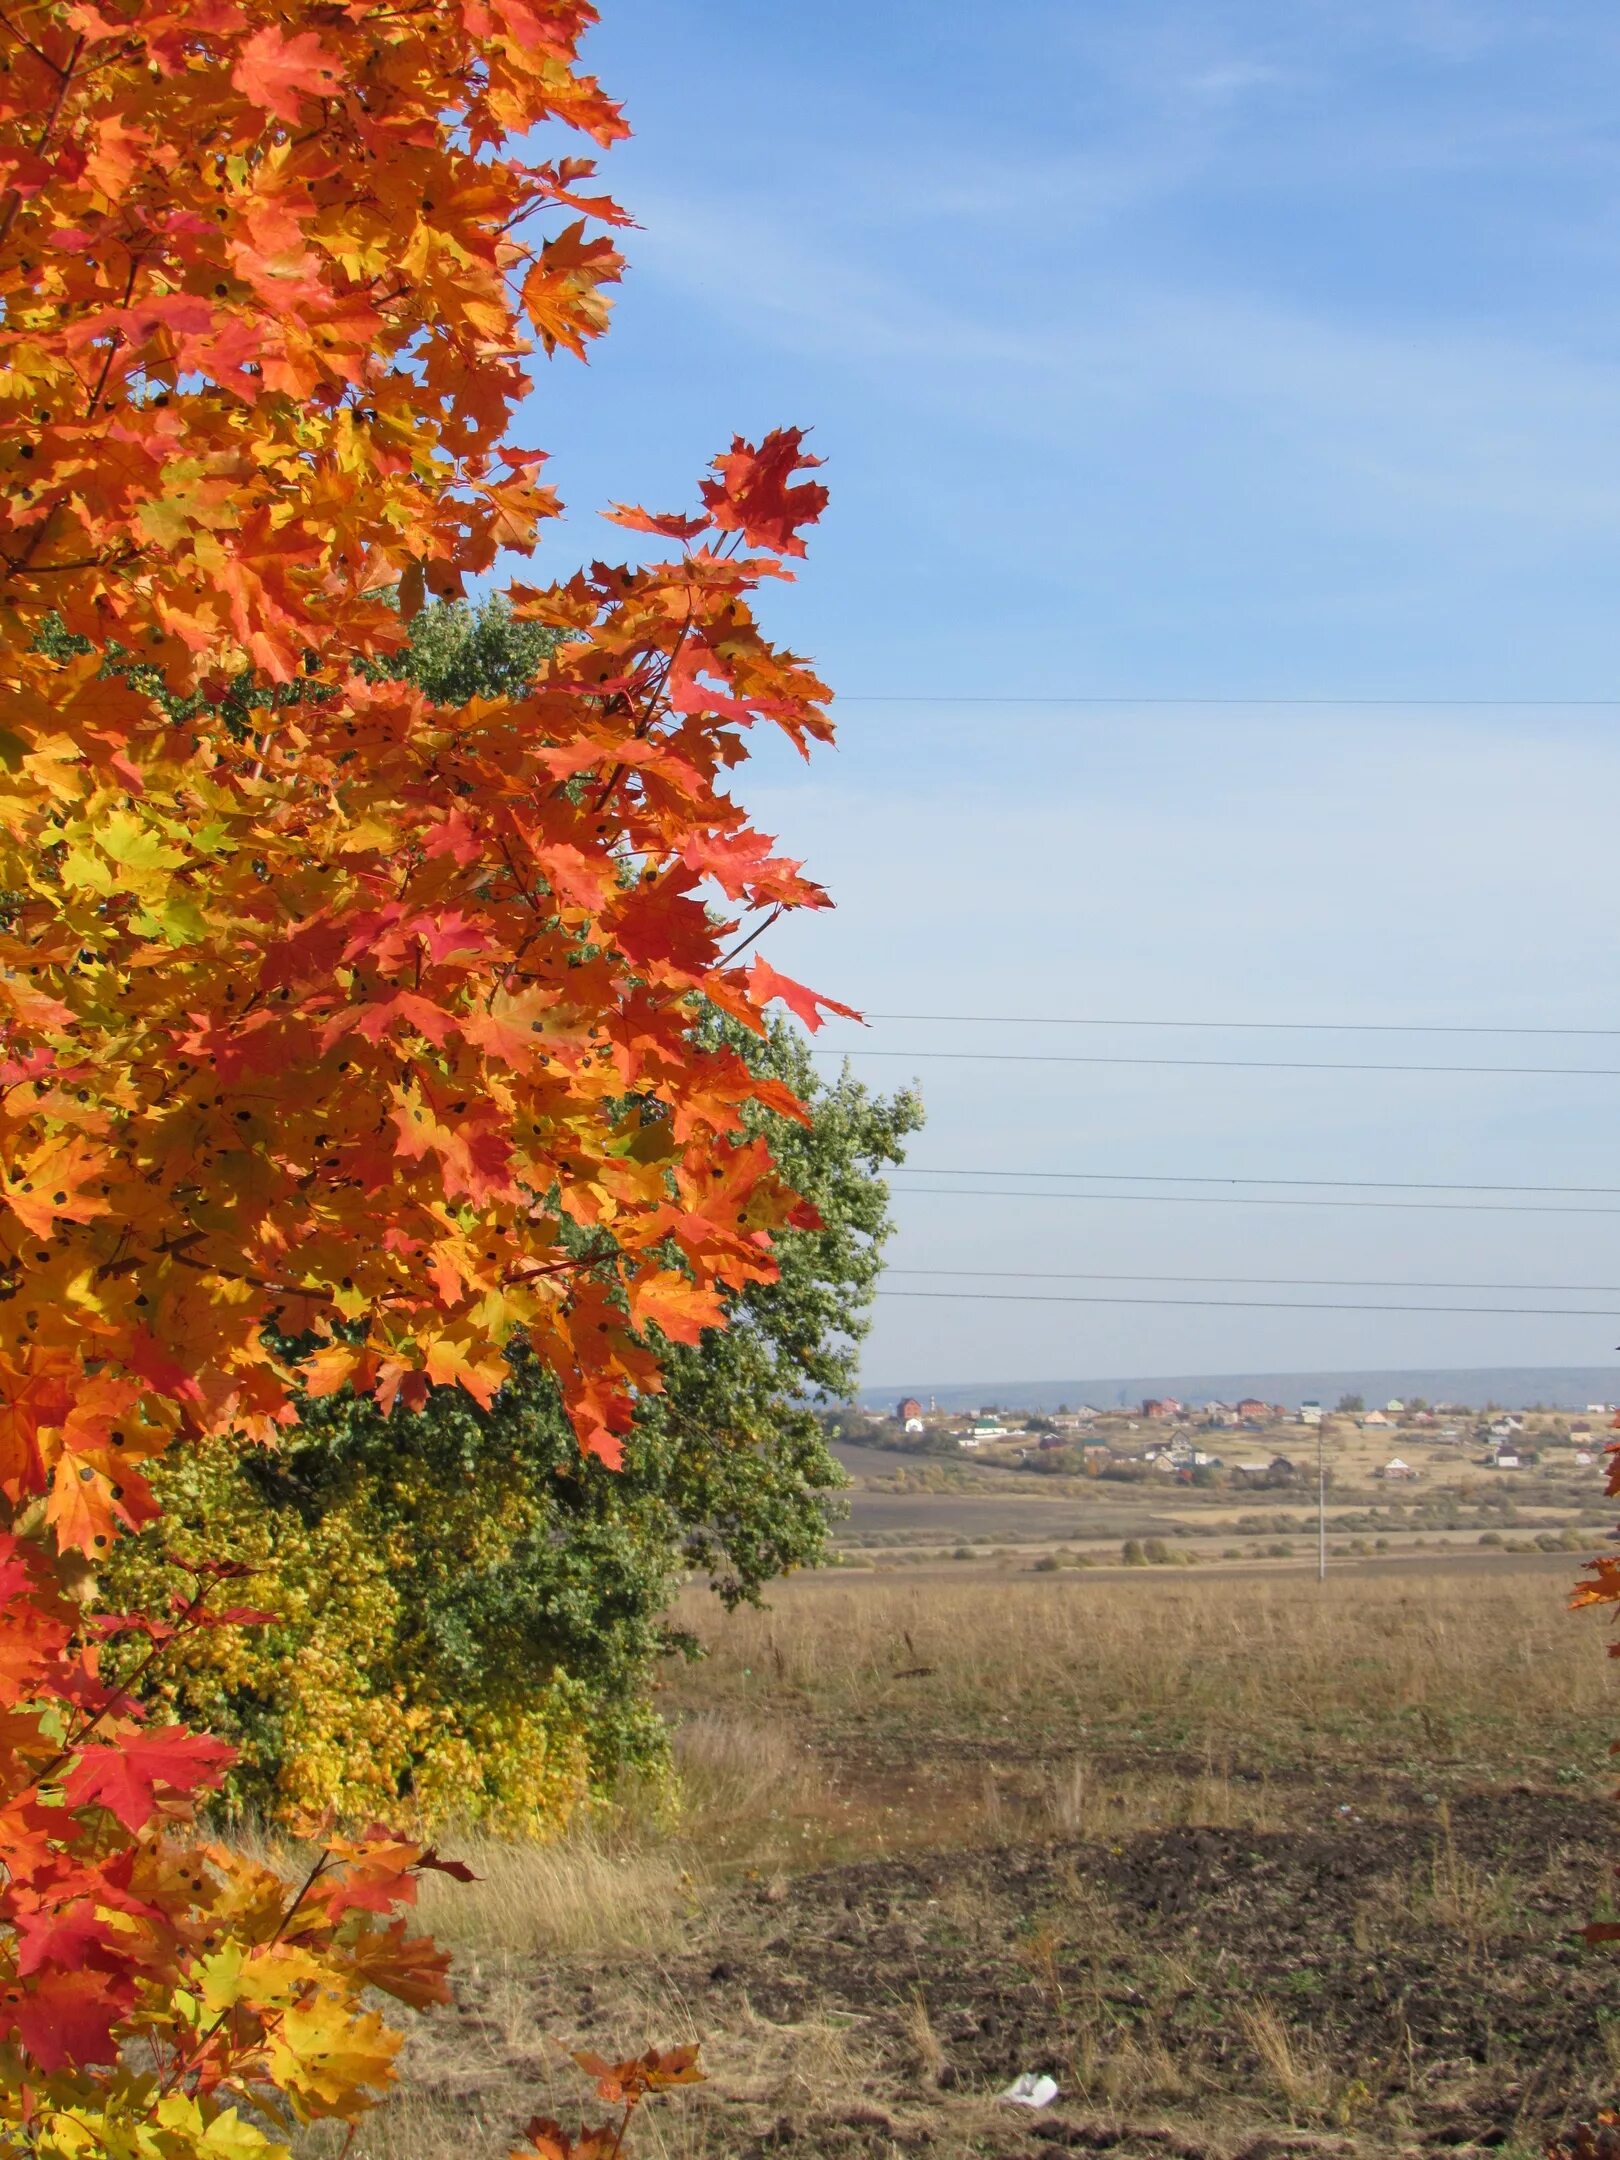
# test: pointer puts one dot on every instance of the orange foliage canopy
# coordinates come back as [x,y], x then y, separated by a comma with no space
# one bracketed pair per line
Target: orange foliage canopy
[318,1006]
[367,1016]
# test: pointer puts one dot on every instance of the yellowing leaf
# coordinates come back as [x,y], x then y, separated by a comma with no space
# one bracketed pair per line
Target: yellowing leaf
[329,2061]
[185,2125]
[562,293]
[679,1308]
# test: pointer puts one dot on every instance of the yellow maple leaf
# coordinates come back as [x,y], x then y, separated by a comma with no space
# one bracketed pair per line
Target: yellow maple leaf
[328,2060]
[186,2125]
[121,852]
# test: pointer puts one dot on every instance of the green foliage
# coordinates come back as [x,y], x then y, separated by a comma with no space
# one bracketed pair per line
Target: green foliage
[459,652]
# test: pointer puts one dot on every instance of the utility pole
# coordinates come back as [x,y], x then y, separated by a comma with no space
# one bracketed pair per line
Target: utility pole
[1321,1500]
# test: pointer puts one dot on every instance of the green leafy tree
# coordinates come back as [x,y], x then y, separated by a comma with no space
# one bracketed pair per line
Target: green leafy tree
[459,652]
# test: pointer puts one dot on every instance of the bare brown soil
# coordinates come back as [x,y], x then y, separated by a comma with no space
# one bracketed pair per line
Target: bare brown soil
[1250,1875]
[1401,1984]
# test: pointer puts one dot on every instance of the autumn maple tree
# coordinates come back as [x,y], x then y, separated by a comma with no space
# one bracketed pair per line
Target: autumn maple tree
[346,1038]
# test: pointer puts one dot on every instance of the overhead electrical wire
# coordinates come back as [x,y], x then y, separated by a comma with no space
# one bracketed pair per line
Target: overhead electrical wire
[1064,1057]
[1302,704]
[1479,1312]
[1176,1177]
[1262,1282]
[1440,1207]
[1293,1027]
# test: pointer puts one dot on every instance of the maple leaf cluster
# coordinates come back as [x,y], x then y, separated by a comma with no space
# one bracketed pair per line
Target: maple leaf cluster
[333,1007]
[120,1928]
[263,331]
[625,2085]
[377,1020]
[327,1017]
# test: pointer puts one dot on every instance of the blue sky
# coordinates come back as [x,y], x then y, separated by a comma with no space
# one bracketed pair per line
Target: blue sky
[1197,351]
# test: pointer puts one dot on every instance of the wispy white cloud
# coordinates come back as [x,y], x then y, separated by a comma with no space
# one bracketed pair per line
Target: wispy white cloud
[1437,414]
[1362,418]
[1227,79]
[752,264]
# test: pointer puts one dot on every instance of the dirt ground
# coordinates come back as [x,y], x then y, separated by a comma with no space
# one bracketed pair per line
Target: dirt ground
[1253,1871]
[1404,1982]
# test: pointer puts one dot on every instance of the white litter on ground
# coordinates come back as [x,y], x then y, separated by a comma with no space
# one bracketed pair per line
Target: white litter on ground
[1031,2091]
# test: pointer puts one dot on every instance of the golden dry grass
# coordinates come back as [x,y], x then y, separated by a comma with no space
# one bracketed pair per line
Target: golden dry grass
[462,2094]
[635,1876]
[1226,1687]
[1310,2087]
[1234,1668]
[580,1893]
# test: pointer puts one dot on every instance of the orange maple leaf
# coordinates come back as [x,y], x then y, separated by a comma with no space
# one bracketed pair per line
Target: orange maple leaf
[765,983]
[675,1305]
[562,292]
[279,72]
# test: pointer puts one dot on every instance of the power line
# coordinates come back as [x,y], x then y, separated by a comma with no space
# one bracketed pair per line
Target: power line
[1274,1282]
[1147,1177]
[1281,704]
[1440,1207]
[1296,1027]
[1478,1312]
[1058,1057]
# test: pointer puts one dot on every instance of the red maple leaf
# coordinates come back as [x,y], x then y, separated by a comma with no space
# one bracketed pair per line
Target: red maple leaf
[124,1778]
[766,982]
[276,71]
[752,495]
[68,2017]
[60,1936]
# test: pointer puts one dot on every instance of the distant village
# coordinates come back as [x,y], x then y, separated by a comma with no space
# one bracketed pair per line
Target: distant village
[1239,1443]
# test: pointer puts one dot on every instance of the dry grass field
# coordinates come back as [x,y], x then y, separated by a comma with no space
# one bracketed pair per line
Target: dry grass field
[1250,1867]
